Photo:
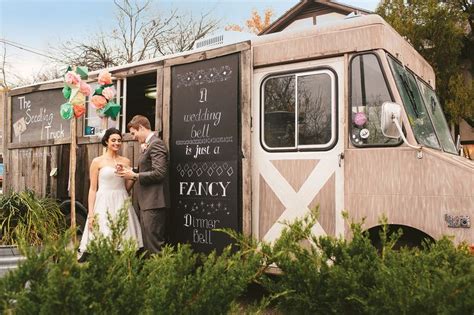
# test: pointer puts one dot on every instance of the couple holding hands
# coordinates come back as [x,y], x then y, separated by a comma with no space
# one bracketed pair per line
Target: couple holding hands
[112,178]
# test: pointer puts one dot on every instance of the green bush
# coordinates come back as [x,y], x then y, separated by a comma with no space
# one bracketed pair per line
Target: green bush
[51,281]
[326,275]
[25,215]
[44,281]
[320,275]
[182,282]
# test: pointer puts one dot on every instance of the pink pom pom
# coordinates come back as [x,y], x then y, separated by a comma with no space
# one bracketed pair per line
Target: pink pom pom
[98,101]
[108,93]
[85,88]
[105,78]
[360,119]
[72,79]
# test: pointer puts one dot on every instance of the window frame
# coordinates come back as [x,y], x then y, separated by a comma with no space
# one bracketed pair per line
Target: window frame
[334,110]
[117,84]
[349,109]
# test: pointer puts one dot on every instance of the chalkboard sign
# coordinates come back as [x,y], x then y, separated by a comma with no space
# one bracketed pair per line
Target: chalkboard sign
[35,117]
[204,150]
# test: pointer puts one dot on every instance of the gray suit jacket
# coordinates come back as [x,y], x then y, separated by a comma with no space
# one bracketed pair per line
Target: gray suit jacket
[151,189]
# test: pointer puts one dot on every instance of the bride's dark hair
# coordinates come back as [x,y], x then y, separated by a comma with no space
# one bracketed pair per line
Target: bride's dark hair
[108,133]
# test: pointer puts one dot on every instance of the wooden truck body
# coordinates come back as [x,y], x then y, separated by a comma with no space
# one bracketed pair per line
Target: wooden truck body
[264,130]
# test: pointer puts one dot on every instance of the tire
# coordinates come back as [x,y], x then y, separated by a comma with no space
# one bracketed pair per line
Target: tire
[411,237]
[81,216]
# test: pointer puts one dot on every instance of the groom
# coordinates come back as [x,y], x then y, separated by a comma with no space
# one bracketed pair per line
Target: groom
[150,197]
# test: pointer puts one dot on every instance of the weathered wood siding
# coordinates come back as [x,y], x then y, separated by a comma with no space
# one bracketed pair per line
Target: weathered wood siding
[30,168]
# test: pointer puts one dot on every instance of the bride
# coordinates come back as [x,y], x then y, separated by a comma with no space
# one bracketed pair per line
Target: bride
[108,192]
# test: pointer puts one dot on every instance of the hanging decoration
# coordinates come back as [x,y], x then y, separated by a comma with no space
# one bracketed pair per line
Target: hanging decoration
[360,119]
[75,91]
[102,99]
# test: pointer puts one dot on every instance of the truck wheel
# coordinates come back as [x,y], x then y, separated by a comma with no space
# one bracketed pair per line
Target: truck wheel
[81,216]
[411,237]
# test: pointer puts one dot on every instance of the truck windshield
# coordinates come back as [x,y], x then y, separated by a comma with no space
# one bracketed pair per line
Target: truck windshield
[414,106]
[437,116]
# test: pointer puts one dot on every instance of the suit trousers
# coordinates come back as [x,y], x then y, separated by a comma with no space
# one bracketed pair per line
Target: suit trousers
[152,223]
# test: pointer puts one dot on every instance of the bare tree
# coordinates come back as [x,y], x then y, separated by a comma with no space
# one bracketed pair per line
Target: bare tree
[140,34]
[50,72]
[186,31]
[137,32]
[97,53]
[3,82]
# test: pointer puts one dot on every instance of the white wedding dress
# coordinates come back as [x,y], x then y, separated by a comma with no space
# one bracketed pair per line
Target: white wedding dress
[110,198]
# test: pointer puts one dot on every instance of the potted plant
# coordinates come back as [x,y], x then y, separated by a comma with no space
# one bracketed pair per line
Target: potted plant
[23,215]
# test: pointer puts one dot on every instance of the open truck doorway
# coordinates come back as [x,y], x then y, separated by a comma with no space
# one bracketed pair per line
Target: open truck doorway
[141,97]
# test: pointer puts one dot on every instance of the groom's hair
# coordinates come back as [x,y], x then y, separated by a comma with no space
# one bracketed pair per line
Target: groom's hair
[137,121]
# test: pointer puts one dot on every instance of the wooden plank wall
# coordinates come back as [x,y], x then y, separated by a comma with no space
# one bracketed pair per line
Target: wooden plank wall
[30,168]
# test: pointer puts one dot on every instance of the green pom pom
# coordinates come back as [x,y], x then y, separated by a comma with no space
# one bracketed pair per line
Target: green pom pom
[66,111]
[83,72]
[98,91]
[67,92]
[111,110]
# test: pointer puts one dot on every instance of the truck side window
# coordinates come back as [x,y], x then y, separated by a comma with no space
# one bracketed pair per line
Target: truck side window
[299,111]
[368,92]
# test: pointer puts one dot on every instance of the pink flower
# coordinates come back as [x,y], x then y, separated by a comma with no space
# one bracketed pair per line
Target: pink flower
[72,79]
[104,78]
[85,88]
[98,101]
[108,93]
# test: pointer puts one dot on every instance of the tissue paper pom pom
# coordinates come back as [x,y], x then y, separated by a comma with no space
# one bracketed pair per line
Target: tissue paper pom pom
[78,99]
[105,78]
[66,111]
[360,119]
[79,110]
[108,93]
[98,101]
[85,88]
[72,79]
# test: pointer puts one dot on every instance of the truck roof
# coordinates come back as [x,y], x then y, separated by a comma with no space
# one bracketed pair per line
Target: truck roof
[353,34]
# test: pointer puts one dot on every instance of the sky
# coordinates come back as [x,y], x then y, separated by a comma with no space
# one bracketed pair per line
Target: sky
[42,24]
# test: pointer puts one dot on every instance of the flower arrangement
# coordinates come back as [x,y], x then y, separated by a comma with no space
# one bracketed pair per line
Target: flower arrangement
[102,99]
[75,91]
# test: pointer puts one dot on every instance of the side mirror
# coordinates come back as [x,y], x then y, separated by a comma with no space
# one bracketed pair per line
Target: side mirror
[391,124]
[390,113]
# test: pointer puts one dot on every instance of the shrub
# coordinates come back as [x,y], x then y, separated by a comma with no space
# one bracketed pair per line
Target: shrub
[176,281]
[182,282]
[327,275]
[320,275]
[25,215]
[45,283]
[51,281]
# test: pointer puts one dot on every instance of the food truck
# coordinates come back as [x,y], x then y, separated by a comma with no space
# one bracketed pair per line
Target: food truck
[343,115]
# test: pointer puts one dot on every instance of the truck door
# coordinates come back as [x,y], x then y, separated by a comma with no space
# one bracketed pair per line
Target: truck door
[297,146]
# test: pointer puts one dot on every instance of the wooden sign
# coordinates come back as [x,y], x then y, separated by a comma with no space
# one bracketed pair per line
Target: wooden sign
[36,118]
[204,149]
